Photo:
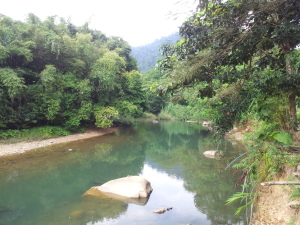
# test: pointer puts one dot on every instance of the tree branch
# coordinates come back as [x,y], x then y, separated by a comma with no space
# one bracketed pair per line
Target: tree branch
[280,183]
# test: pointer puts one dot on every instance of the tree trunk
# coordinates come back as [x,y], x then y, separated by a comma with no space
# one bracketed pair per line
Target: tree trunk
[292,94]
[293,111]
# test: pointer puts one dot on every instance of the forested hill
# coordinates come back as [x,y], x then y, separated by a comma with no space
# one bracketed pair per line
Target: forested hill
[55,73]
[147,55]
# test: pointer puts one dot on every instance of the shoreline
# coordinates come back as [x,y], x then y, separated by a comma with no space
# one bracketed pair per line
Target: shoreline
[24,146]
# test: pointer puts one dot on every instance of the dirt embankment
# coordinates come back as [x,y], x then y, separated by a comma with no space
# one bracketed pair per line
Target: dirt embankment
[273,205]
[21,147]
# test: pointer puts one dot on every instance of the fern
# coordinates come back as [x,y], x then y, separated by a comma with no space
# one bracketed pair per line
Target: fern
[242,196]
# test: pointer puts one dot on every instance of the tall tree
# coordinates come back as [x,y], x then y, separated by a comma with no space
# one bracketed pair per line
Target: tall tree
[251,44]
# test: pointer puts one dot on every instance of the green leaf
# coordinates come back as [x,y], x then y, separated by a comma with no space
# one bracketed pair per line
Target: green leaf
[283,137]
[262,137]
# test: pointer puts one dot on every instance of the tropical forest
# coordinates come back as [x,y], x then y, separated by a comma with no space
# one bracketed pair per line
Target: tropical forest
[234,65]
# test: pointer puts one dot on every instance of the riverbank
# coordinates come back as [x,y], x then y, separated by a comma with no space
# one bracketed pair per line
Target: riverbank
[21,147]
[273,204]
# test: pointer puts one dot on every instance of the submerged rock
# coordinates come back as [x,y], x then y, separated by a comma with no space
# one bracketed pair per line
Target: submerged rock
[77,214]
[5,209]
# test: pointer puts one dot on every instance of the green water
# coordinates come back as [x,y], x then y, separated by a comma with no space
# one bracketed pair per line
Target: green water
[44,187]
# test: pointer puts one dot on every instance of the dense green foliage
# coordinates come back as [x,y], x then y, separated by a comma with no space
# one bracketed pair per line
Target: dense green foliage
[237,56]
[54,73]
[147,55]
[155,103]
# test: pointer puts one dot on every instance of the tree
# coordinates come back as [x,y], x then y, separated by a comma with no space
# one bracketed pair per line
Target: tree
[155,103]
[242,43]
[54,73]
[123,49]
[131,101]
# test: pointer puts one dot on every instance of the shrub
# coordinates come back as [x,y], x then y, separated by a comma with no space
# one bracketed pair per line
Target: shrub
[34,133]
[104,115]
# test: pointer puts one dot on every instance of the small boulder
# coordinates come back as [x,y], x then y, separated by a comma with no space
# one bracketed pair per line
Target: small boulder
[160,211]
[206,123]
[213,154]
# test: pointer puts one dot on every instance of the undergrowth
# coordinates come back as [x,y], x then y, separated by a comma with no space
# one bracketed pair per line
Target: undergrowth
[149,115]
[38,133]
[267,155]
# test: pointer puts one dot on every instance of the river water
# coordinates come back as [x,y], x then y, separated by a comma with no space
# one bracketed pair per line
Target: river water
[45,186]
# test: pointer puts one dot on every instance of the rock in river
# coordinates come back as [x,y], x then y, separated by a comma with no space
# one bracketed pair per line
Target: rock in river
[213,154]
[131,189]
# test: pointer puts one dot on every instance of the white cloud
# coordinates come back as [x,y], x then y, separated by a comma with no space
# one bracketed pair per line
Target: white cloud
[137,21]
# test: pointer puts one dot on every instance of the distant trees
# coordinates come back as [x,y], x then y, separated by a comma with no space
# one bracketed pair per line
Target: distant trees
[54,73]
[146,58]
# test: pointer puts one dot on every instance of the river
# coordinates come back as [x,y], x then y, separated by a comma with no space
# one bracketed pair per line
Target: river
[45,186]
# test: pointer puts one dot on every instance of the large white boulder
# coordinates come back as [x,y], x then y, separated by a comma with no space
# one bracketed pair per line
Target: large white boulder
[131,189]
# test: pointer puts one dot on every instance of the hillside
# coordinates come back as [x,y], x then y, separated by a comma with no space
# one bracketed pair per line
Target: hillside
[147,55]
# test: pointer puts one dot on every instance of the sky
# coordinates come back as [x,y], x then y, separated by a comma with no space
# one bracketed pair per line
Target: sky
[138,22]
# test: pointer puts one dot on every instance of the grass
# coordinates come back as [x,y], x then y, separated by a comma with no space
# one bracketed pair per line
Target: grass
[149,115]
[37,133]
[165,116]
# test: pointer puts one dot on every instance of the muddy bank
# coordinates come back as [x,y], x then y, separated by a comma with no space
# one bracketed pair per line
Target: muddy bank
[274,205]
[21,147]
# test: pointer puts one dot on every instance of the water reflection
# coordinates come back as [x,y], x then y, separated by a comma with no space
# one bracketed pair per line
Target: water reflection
[45,186]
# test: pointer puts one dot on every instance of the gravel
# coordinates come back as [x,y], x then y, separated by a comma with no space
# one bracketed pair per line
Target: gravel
[21,147]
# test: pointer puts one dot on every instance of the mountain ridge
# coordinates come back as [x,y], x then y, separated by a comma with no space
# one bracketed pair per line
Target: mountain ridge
[147,55]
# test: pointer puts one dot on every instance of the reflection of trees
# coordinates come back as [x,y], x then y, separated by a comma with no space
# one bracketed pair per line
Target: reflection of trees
[52,183]
[204,177]
[82,212]
[45,183]
[162,139]
[212,185]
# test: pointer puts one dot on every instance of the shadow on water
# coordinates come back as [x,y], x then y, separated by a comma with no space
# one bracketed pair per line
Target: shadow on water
[45,186]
